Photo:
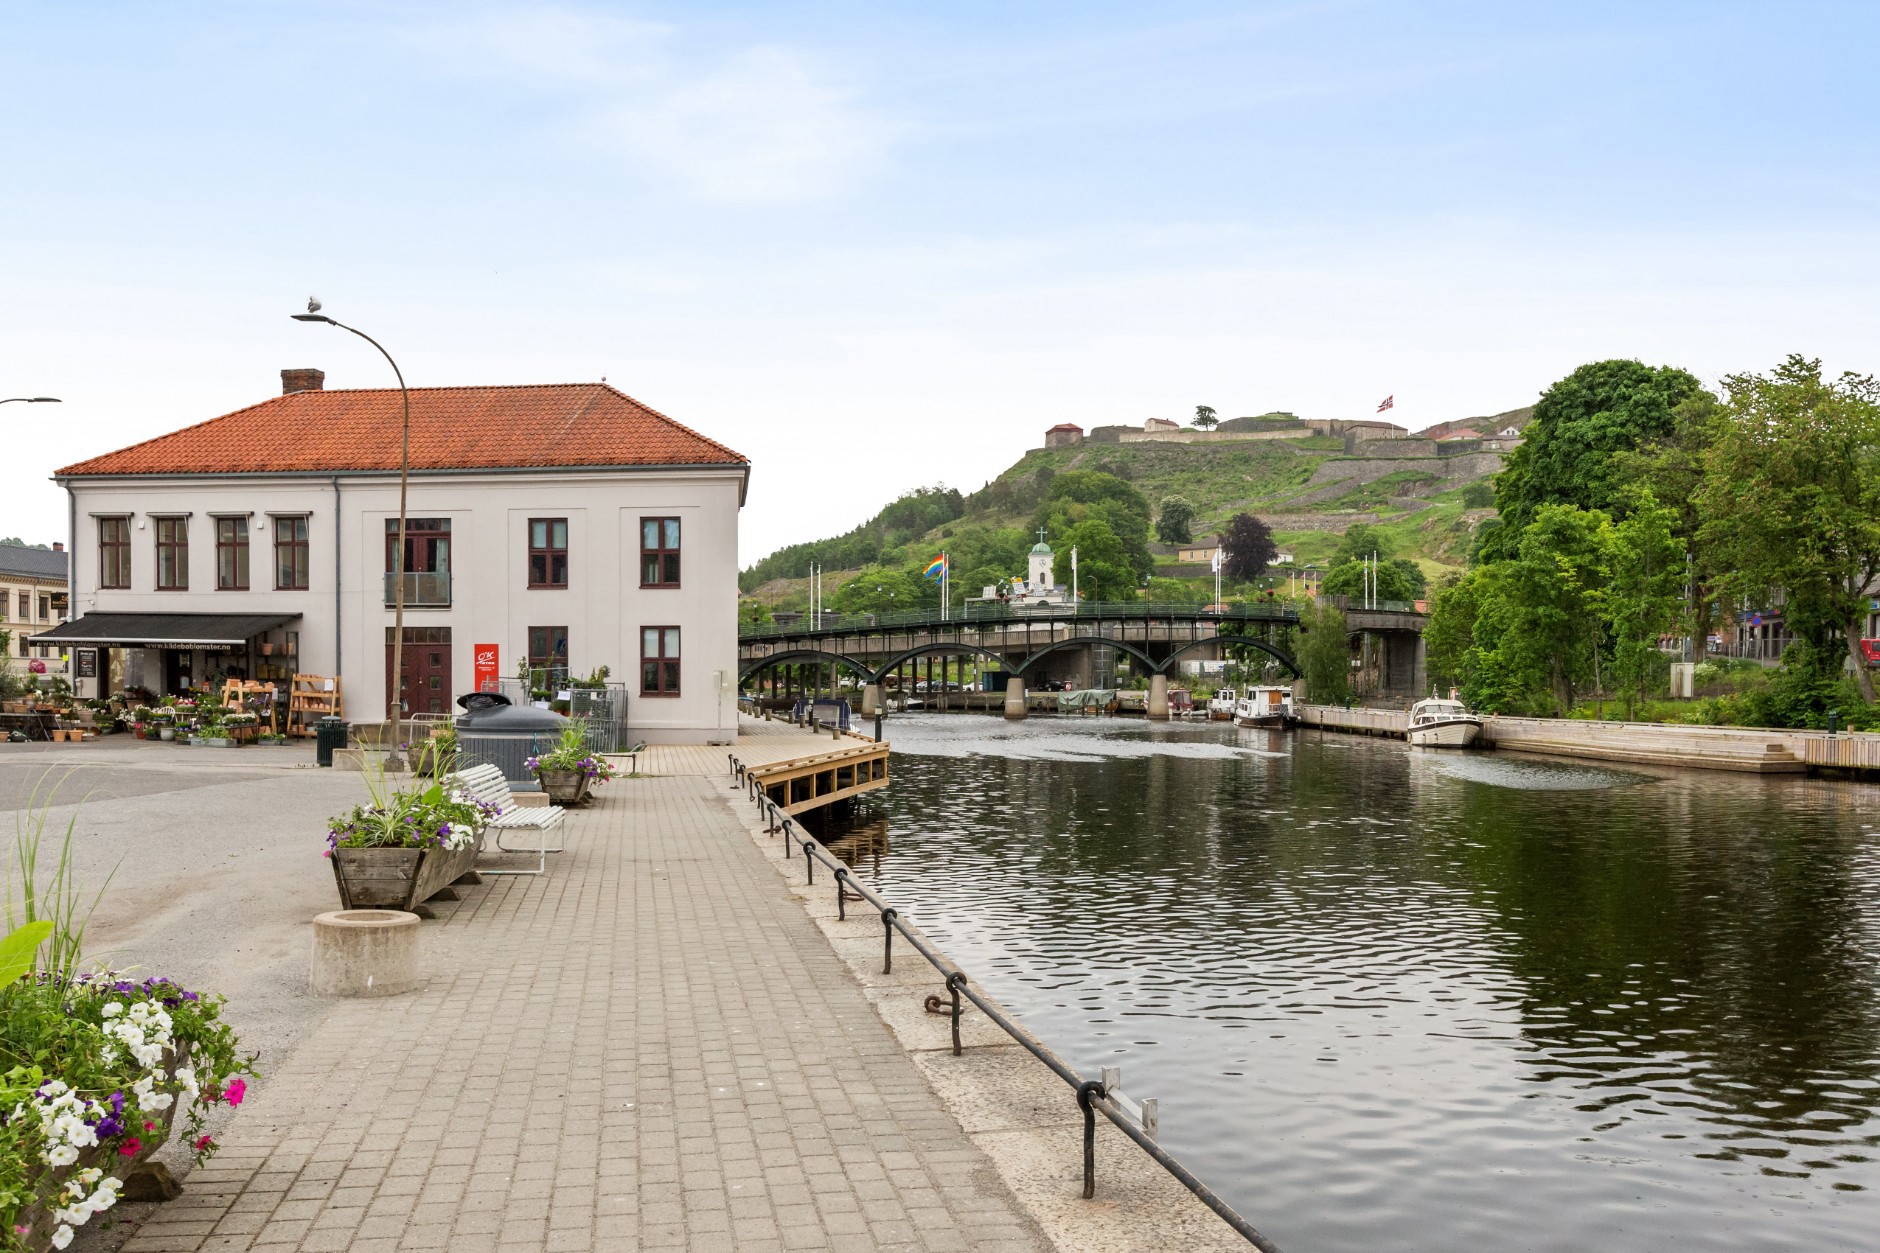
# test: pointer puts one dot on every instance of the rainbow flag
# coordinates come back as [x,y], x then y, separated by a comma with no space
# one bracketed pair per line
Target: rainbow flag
[938,568]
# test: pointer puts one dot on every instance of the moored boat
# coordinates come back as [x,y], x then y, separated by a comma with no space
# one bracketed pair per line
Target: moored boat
[1264,707]
[1221,708]
[1437,723]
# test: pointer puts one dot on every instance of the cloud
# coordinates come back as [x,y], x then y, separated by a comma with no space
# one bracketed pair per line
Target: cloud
[762,123]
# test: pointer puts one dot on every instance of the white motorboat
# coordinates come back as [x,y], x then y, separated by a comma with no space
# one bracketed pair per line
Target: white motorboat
[1221,708]
[1437,723]
[1264,707]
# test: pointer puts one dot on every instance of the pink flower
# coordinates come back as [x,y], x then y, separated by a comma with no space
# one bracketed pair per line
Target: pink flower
[202,1145]
[150,1126]
[131,1147]
[235,1091]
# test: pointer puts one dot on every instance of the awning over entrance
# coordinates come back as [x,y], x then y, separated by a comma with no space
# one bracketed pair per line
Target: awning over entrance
[165,630]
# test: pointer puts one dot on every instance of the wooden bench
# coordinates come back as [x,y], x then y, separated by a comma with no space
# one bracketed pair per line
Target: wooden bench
[487,784]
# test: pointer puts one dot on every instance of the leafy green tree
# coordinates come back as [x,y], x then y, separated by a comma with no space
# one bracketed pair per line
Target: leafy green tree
[1642,596]
[1360,541]
[1079,496]
[1478,496]
[1174,523]
[1180,591]
[1791,501]
[1672,470]
[1205,417]
[1397,579]
[1250,547]
[1539,623]
[1324,653]
[1103,568]
[907,518]
[1567,452]
[753,612]
[881,589]
[1449,634]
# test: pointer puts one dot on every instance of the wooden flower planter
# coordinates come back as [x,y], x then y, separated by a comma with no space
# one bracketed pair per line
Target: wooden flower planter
[398,878]
[36,1216]
[564,787]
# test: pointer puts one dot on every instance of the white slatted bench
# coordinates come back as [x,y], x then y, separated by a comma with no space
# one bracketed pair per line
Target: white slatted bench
[487,783]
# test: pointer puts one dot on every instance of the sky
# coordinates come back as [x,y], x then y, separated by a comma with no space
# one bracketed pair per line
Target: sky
[879,246]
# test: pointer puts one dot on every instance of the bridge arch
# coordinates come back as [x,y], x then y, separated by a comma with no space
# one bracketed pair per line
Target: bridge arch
[802,656]
[1219,640]
[1129,648]
[887,668]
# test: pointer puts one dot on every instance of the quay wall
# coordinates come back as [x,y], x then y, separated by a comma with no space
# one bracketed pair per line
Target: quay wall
[1749,749]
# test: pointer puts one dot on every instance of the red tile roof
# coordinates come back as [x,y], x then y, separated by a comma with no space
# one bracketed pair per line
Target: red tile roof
[452,428]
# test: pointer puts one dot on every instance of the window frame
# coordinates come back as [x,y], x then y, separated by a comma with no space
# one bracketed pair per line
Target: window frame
[302,544]
[114,554]
[232,572]
[668,563]
[668,664]
[548,552]
[178,548]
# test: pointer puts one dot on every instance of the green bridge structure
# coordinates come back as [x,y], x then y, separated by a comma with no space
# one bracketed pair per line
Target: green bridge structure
[1038,645]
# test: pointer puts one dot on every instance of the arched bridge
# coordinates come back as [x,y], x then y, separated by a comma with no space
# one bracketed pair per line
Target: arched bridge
[1045,644]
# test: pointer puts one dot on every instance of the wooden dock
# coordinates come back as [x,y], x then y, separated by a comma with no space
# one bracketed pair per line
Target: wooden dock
[799,768]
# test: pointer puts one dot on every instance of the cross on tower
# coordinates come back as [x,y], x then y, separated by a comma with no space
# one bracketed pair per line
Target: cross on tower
[1041,535]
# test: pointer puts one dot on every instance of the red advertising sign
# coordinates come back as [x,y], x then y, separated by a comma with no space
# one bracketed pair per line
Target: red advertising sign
[486,668]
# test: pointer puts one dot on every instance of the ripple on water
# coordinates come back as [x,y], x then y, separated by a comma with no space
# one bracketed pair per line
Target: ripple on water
[1372,987]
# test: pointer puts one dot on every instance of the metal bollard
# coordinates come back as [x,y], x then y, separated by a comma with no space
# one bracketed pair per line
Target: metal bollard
[955,982]
[887,940]
[1085,1091]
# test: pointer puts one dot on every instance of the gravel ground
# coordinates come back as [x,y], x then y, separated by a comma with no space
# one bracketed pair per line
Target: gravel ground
[214,870]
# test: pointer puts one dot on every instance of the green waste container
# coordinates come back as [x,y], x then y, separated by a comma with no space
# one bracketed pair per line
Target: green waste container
[329,735]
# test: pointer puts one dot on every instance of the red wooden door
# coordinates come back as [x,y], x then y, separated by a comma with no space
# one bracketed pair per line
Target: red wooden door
[426,672]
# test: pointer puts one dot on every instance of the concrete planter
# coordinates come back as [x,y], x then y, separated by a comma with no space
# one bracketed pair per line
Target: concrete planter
[564,787]
[166,734]
[397,878]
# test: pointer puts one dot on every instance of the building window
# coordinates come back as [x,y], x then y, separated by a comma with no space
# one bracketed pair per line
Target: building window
[290,554]
[45,608]
[659,552]
[172,554]
[26,609]
[548,552]
[659,661]
[114,553]
[548,651]
[231,554]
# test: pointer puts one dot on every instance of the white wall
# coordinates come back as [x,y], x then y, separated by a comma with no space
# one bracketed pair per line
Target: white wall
[603,606]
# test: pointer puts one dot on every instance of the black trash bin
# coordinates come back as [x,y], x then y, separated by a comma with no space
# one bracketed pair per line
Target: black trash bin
[329,735]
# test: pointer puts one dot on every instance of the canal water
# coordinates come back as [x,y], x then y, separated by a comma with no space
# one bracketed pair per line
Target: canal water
[1396,998]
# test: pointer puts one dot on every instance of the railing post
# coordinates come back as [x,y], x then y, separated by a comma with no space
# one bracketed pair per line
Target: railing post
[809,864]
[887,940]
[1088,1089]
[954,982]
[842,896]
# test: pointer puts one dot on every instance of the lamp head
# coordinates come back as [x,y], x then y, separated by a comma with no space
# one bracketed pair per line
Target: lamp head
[43,400]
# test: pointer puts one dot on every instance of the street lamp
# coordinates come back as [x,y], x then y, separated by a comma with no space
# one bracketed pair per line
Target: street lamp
[394,756]
[32,400]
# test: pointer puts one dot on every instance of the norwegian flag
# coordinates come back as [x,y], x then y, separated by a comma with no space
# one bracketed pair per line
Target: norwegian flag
[1390,402]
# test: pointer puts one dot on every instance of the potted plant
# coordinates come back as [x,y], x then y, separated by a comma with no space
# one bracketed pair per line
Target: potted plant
[404,847]
[569,771]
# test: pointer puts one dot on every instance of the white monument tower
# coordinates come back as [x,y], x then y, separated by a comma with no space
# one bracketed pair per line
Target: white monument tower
[1042,559]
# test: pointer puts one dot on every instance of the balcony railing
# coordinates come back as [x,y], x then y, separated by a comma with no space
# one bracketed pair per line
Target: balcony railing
[424,589]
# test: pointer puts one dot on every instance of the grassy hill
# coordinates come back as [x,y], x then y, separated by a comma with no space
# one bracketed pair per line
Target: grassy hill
[1309,489]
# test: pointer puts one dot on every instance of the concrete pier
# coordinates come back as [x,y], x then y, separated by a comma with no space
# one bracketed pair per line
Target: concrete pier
[1015,697]
[1158,698]
[871,699]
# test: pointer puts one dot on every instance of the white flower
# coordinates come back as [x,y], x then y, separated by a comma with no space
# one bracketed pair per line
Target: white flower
[113,1009]
[62,1155]
[61,1237]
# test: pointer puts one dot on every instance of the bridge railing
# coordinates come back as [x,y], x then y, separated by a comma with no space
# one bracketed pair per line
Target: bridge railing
[1094,1096]
[1087,611]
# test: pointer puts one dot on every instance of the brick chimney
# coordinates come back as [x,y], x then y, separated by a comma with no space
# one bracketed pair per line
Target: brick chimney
[58,546]
[302,381]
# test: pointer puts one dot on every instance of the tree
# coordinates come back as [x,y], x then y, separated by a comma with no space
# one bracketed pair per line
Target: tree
[1672,470]
[1641,598]
[1174,523]
[1078,496]
[1567,452]
[1360,542]
[1250,547]
[1324,653]
[1449,634]
[752,612]
[1204,417]
[1103,569]
[1538,628]
[881,589]
[14,541]
[1791,501]
[1398,579]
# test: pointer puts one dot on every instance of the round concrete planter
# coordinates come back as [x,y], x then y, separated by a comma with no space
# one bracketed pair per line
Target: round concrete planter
[564,787]
[166,734]
[364,952]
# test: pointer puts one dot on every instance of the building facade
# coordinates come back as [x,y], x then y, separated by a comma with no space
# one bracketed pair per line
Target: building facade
[33,598]
[559,528]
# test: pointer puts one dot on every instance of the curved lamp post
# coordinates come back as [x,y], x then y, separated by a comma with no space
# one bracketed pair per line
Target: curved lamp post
[394,756]
[31,400]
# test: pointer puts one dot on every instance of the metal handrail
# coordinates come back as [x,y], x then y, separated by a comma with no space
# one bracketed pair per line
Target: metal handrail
[975,614]
[1092,1096]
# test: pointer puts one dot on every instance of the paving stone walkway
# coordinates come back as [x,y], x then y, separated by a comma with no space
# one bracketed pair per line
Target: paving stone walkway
[651,1047]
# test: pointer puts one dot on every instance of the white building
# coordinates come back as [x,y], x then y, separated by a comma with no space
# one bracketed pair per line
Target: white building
[566,526]
[33,599]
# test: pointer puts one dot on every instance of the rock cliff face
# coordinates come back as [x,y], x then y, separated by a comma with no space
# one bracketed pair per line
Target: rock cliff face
[1334,478]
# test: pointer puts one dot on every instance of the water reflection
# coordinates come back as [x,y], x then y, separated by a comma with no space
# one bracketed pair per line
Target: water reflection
[1406,998]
